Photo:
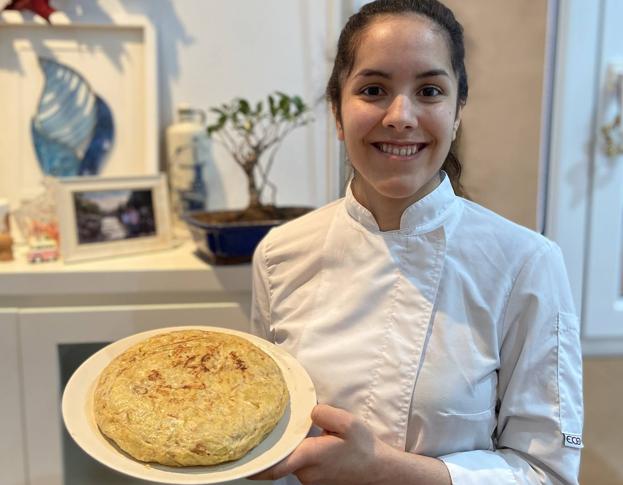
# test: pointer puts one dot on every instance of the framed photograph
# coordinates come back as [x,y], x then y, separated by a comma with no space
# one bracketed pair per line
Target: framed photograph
[76,98]
[101,217]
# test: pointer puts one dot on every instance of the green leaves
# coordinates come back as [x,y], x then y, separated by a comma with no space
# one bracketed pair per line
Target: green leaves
[272,105]
[253,132]
[299,104]
[220,123]
[239,116]
[250,131]
[243,106]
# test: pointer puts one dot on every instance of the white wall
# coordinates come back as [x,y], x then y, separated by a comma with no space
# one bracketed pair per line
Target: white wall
[211,51]
[505,42]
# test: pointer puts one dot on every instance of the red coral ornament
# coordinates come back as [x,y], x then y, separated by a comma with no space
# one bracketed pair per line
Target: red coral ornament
[40,7]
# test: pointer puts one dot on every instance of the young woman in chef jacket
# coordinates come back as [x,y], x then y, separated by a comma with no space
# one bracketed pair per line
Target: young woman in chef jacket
[441,337]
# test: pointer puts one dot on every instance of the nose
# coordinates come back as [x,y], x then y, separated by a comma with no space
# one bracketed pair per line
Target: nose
[401,114]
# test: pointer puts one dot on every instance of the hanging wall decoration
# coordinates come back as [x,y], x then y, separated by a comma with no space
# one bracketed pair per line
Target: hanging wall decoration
[40,7]
[77,100]
[73,128]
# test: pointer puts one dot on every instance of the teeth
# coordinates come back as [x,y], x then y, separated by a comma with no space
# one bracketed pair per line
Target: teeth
[401,151]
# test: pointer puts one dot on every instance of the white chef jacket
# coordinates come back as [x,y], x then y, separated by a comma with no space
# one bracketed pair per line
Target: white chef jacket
[453,337]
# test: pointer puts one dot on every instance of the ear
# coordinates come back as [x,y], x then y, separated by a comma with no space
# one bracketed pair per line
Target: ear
[340,131]
[338,125]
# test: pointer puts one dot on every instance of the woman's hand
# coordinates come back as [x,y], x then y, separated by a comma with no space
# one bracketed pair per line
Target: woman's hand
[347,453]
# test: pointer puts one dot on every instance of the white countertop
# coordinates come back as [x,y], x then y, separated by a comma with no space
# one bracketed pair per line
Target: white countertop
[156,271]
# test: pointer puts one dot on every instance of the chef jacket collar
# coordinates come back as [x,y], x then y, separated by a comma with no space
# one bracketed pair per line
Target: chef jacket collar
[422,216]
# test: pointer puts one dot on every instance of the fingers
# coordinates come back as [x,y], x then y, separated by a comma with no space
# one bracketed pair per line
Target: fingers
[336,423]
[280,470]
[333,420]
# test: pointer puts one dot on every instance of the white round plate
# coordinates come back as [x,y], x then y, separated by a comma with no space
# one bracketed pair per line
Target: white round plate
[290,431]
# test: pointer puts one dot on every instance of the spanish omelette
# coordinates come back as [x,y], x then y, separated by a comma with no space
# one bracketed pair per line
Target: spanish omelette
[190,397]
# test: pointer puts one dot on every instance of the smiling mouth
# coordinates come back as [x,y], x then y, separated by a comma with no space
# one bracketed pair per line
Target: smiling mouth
[399,150]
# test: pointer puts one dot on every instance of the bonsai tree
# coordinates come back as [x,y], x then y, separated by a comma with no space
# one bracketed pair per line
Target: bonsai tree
[252,136]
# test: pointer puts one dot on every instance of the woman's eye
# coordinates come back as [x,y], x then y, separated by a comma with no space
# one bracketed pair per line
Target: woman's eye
[372,91]
[430,91]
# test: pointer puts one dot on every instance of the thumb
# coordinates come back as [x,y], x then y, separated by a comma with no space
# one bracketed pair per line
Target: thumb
[333,420]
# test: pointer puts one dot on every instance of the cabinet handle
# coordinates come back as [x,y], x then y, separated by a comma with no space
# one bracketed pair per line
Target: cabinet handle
[614,129]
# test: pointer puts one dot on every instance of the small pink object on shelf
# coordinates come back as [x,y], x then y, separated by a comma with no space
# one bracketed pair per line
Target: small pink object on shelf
[42,250]
[38,224]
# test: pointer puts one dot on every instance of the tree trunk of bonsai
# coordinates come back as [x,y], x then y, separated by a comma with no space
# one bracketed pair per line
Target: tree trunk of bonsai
[254,193]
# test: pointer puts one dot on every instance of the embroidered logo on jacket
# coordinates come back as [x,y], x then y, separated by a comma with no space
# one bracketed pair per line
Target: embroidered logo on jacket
[572,440]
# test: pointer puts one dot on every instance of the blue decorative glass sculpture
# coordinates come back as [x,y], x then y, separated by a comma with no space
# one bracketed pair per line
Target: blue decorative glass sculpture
[73,129]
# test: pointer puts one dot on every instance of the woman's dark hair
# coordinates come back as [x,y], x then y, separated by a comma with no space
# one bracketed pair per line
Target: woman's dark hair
[350,38]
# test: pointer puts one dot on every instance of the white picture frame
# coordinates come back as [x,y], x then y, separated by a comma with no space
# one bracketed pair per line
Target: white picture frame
[102,217]
[117,59]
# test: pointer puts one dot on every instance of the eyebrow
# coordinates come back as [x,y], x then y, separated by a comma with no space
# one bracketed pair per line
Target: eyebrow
[383,74]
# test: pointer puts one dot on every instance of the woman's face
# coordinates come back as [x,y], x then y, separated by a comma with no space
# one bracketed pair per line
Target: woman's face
[398,112]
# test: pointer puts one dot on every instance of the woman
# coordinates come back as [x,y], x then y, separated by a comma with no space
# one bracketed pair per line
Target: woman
[441,338]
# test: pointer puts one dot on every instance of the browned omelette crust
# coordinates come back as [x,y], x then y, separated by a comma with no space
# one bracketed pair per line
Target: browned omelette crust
[190,397]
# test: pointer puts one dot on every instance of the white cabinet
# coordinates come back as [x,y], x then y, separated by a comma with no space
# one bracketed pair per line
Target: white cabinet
[585,199]
[54,316]
[55,340]
[12,461]
[603,307]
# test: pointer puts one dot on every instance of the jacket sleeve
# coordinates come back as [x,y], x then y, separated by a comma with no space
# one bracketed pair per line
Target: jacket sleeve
[260,295]
[539,423]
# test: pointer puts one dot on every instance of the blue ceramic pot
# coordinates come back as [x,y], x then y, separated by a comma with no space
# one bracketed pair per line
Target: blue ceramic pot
[221,242]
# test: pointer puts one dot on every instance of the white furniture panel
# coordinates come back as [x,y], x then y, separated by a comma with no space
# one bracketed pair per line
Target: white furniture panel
[585,200]
[165,275]
[12,464]
[603,296]
[571,132]
[44,330]
[56,315]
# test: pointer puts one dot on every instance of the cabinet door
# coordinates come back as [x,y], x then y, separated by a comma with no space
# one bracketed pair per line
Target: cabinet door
[54,341]
[12,464]
[603,305]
